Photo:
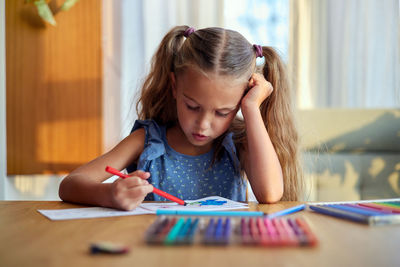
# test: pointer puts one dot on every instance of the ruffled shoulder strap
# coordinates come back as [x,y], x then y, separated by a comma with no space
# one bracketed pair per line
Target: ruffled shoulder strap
[153,144]
[229,146]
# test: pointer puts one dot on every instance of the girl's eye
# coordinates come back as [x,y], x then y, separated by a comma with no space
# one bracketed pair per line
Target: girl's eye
[222,114]
[191,107]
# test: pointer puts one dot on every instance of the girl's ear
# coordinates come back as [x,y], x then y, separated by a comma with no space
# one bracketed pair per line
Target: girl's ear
[173,83]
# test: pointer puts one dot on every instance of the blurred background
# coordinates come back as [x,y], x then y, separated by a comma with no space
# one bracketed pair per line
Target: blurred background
[70,72]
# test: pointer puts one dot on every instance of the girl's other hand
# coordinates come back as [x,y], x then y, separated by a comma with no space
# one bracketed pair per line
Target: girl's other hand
[128,193]
[259,90]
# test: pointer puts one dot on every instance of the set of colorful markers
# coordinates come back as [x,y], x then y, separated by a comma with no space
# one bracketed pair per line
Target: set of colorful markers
[259,231]
[276,232]
[368,212]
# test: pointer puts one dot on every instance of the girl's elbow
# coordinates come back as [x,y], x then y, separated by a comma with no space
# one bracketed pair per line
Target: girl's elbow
[274,200]
[271,197]
[270,200]
[63,189]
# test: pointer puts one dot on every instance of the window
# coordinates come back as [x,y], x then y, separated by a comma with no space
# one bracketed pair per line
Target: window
[263,22]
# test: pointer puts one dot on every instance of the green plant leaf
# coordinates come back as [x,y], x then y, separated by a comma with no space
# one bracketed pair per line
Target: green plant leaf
[45,12]
[68,4]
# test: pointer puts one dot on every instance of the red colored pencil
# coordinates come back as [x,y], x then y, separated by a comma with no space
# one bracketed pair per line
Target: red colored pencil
[155,190]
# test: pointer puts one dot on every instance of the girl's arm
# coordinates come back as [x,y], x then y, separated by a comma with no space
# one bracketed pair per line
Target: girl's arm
[84,184]
[262,165]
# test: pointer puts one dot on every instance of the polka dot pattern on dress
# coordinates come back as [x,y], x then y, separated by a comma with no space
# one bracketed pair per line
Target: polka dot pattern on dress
[188,177]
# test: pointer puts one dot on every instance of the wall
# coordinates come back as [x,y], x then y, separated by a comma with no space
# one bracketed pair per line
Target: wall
[122,35]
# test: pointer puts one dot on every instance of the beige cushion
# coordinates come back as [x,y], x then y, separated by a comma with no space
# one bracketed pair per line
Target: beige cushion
[341,176]
[351,154]
[353,130]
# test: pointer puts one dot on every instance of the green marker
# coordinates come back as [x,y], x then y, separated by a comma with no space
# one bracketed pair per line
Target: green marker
[170,239]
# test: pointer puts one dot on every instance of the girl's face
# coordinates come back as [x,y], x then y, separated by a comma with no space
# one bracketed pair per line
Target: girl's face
[206,105]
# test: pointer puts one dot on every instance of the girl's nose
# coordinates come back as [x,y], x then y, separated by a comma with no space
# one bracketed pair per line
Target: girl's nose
[204,121]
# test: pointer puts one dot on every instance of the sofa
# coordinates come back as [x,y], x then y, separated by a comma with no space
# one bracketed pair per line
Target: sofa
[350,154]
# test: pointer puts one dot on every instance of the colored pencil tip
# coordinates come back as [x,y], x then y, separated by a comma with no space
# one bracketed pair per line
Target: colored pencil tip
[184,203]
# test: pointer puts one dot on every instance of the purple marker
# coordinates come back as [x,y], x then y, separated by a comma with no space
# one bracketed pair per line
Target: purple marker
[208,237]
[301,235]
[227,230]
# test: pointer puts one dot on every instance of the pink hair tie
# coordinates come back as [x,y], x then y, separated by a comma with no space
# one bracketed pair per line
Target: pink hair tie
[259,51]
[188,32]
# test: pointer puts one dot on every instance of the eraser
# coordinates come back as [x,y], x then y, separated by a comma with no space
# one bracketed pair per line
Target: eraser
[108,248]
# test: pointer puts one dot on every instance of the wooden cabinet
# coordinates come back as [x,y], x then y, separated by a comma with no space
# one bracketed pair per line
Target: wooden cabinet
[53,87]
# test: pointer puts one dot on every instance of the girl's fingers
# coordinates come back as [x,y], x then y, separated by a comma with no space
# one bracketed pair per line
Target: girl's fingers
[251,82]
[255,79]
[140,173]
[259,90]
[128,198]
[135,195]
[258,80]
[139,191]
[128,193]
[133,181]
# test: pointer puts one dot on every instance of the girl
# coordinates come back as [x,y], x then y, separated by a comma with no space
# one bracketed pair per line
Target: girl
[189,141]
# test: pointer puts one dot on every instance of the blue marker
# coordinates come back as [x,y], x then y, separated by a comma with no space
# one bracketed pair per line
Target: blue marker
[170,239]
[181,238]
[210,213]
[219,230]
[286,211]
[192,231]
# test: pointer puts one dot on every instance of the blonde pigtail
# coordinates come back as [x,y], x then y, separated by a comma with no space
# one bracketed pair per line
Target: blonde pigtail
[156,100]
[278,116]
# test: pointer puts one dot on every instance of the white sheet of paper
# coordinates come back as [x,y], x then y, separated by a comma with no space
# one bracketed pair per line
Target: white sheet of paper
[144,208]
[194,205]
[87,213]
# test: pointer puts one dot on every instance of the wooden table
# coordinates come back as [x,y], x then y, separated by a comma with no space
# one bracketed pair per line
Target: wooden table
[27,238]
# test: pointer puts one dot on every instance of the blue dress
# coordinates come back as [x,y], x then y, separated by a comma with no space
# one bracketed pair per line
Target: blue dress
[184,176]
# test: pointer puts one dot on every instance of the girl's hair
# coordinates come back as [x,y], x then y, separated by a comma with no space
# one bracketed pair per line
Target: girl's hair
[225,52]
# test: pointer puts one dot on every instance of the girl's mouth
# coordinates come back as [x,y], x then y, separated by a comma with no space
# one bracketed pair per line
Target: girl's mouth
[199,137]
